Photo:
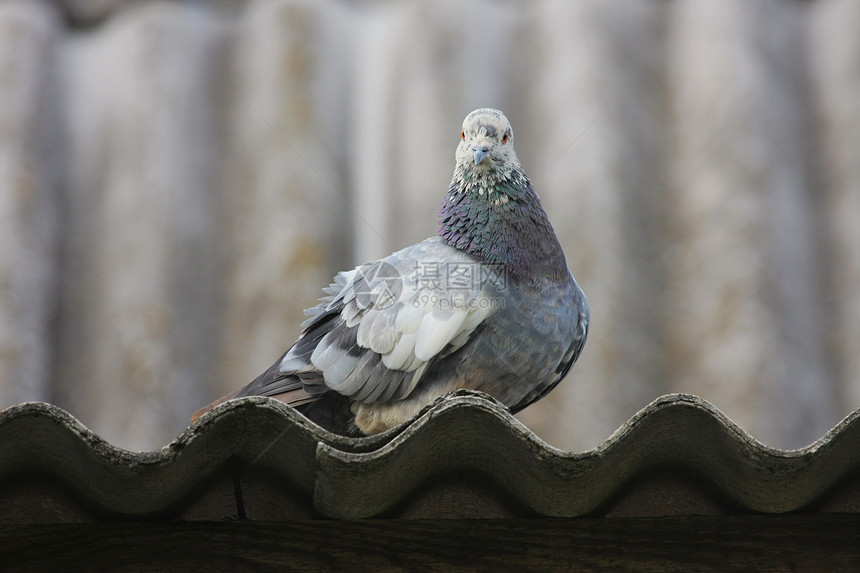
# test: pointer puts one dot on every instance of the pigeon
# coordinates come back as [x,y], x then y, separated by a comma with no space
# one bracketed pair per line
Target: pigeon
[487,304]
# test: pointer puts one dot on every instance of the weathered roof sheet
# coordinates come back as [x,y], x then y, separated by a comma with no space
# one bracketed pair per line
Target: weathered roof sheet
[465,456]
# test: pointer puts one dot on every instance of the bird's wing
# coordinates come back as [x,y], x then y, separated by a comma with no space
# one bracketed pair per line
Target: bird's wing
[382,325]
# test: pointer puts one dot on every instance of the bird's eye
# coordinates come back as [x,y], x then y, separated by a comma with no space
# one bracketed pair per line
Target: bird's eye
[463,135]
[505,137]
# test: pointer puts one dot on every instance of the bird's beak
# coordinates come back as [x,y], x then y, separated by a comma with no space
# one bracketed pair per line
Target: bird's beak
[480,150]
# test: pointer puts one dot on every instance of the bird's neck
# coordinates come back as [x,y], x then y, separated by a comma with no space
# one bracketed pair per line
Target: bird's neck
[496,217]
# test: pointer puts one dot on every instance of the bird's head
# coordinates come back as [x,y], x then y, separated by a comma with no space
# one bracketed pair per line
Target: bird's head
[486,141]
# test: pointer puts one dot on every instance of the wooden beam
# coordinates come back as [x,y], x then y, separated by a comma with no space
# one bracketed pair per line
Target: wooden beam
[820,542]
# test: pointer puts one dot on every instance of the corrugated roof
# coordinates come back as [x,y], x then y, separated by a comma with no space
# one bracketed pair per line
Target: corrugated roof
[465,456]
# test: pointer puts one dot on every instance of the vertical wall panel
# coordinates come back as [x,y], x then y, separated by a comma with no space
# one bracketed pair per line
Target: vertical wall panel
[836,70]
[29,160]
[374,149]
[744,304]
[140,303]
[287,206]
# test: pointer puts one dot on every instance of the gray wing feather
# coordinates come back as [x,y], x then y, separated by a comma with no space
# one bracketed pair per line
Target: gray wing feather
[369,344]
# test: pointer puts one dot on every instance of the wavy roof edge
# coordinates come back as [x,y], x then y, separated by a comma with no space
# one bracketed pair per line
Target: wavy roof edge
[463,455]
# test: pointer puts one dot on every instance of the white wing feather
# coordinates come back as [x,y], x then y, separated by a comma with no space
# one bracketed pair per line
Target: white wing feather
[437,329]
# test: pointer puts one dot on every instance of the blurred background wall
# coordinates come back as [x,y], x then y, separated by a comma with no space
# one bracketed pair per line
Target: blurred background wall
[179,179]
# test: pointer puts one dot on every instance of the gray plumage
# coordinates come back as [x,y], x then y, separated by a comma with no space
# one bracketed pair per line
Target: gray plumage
[488,304]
